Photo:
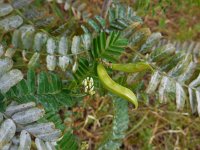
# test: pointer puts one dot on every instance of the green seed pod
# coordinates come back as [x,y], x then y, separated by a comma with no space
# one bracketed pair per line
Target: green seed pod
[131,67]
[114,87]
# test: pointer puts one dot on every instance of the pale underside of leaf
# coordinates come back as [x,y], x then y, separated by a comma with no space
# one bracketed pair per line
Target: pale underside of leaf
[41,128]
[14,109]
[10,79]
[75,45]
[154,82]
[40,144]
[5,65]
[11,22]
[5,9]
[51,46]
[25,141]
[51,136]
[63,46]
[28,116]
[51,62]
[7,131]
[181,96]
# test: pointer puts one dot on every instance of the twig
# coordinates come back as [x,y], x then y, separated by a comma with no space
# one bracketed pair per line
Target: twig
[105,8]
[138,124]
[167,132]
[154,132]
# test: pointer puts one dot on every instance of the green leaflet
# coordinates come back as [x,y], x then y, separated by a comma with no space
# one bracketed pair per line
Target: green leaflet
[82,71]
[68,141]
[113,139]
[45,88]
[109,48]
[53,116]
[56,10]
[97,24]
[121,16]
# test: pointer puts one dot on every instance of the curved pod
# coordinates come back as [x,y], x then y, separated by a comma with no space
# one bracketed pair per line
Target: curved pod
[114,87]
